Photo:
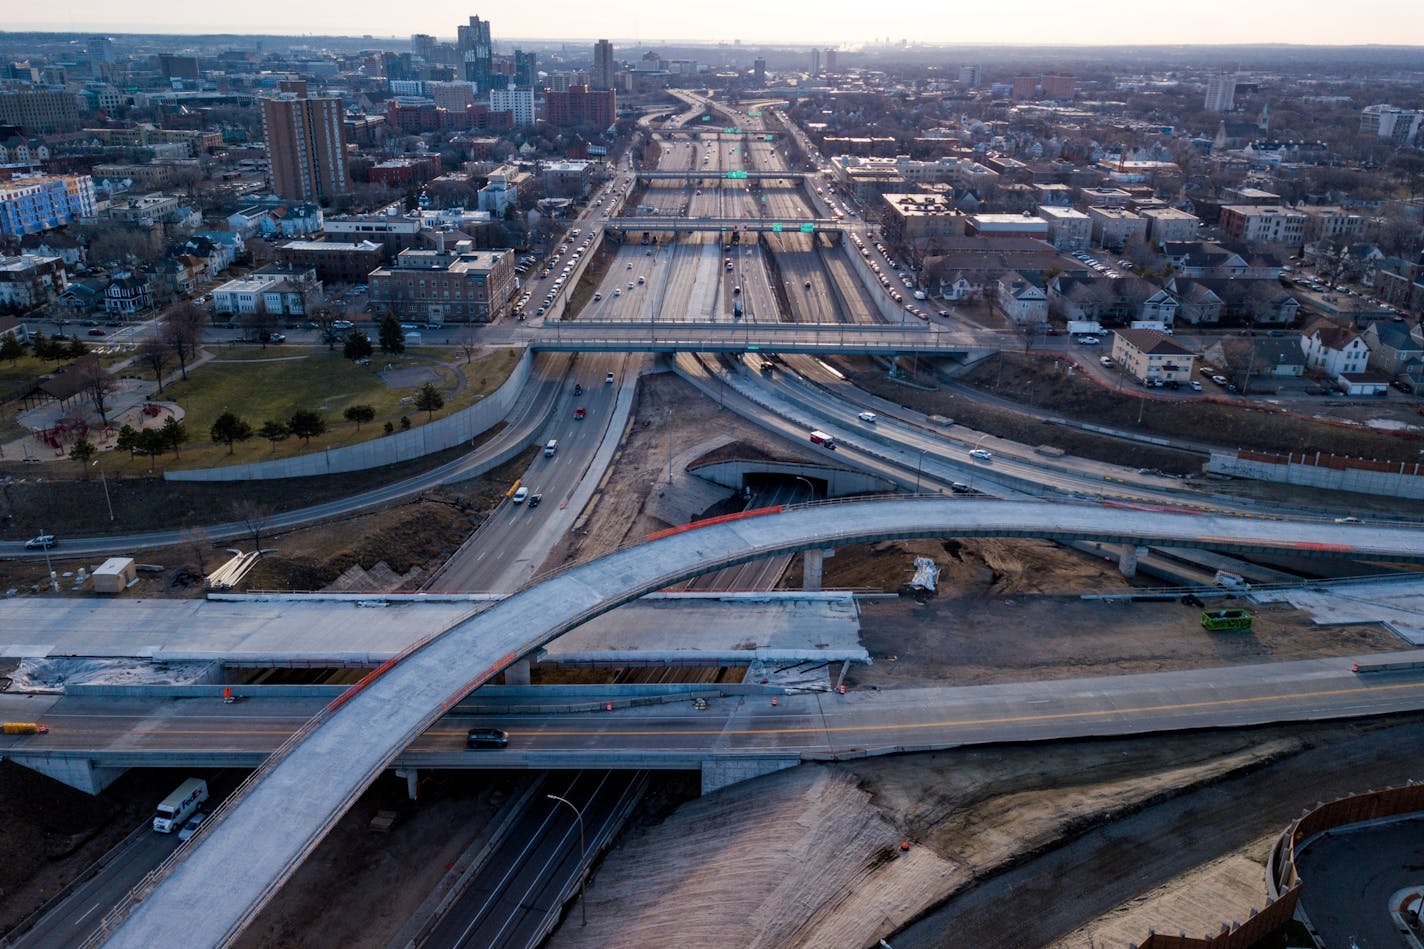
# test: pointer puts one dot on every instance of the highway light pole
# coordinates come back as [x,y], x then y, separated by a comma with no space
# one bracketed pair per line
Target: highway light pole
[919,466]
[583,852]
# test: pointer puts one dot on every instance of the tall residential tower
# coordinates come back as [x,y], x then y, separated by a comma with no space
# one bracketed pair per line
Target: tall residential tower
[305,145]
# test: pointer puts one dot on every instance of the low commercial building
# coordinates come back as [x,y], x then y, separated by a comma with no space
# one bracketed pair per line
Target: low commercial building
[1151,356]
[334,261]
[1006,225]
[436,286]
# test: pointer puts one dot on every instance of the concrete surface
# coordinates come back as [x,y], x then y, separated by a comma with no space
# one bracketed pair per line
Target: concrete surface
[252,846]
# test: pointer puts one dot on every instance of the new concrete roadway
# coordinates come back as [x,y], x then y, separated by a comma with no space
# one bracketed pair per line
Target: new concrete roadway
[252,846]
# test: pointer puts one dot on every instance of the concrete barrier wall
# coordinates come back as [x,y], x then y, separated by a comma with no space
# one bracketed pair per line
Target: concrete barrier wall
[1400,480]
[418,442]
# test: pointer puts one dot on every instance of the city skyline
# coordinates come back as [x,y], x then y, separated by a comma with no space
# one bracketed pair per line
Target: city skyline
[794,23]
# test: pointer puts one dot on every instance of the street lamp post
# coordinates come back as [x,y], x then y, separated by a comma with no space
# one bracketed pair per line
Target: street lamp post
[104,480]
[49,568]
[919,466]
[809,486]
[583,852]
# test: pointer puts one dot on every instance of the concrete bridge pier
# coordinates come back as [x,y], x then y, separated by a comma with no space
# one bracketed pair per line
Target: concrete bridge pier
[412,781]
[1127,560]
[79,773]
[811,567]
[517,673]
[718,773]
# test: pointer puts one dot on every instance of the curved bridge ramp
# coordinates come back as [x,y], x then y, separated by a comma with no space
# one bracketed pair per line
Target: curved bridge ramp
[254,843]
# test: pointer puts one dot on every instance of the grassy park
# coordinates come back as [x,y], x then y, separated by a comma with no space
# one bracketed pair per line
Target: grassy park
[272,383]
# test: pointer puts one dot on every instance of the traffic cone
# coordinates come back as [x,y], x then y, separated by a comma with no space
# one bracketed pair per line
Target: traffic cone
[840,689]
[608,706]
[773,701]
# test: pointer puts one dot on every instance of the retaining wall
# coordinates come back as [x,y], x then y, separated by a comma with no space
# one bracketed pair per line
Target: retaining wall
[1334,472]
[417,442]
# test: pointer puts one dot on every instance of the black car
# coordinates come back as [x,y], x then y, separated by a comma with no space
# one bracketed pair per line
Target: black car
[534,500]
[486,738]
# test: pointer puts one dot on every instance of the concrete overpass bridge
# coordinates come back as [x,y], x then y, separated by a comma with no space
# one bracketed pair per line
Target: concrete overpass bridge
[582,336]
[692,174]
[690,225]
[254,843]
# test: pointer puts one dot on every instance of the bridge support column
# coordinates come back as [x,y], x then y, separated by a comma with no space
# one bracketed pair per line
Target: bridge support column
[80,773]
[719,773]
[412,781]
[1127,560]
[811,564]
[517,673]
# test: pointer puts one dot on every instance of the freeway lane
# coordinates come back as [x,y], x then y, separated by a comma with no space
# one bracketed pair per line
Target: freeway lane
[745,723]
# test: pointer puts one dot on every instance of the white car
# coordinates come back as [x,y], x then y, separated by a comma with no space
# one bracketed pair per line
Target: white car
[867,417]
[520,495]
[1088,340]
[981,454]
[191,828]
[1106,361]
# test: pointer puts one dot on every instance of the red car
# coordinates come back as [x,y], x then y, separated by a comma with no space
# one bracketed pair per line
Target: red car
[579,413]
[97,333]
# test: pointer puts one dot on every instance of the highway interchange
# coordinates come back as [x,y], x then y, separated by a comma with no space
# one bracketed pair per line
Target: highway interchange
[689,282]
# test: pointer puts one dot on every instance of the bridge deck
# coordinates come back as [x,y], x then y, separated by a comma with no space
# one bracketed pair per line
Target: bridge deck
[256,841]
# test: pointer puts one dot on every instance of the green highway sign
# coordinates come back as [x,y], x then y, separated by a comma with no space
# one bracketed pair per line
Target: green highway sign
[770,138]
[707,118]
[808,228]
[733,130]
[776,228]
[754,113]
[736,174]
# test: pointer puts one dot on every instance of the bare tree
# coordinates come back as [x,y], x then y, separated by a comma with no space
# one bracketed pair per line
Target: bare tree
[98,385]
[325,319]
[155,353]
[254,518]
[180,332]
[200,545]
[467,341]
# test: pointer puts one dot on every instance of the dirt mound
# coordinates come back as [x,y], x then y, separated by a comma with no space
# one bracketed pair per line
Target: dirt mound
[976,567]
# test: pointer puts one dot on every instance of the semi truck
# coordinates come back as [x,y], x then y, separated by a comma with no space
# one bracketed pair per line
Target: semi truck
[819,437]
[177,807]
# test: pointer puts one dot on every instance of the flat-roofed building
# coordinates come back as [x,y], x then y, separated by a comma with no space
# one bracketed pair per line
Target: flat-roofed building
[335,261]
[1115,227]
[921,222]
[437,286]
[1265,224]
[1006,225]
[1068,228]
[1170,224]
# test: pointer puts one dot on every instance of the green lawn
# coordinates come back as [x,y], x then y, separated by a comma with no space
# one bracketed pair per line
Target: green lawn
[272,383]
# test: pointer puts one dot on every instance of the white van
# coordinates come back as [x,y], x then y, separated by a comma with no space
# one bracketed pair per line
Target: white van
[551,446]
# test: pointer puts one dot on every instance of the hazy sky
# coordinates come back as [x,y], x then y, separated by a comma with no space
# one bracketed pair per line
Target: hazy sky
[801,22]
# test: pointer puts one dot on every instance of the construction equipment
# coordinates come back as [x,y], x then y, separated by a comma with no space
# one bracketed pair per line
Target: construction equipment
[1218,621]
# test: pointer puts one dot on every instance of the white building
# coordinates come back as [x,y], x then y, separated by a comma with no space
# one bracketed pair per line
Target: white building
[1387,121]
[1221,93]
[1335,349]
[518,101]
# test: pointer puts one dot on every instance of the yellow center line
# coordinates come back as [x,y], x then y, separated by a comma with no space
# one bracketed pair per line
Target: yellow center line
[615,730]
[966,723]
